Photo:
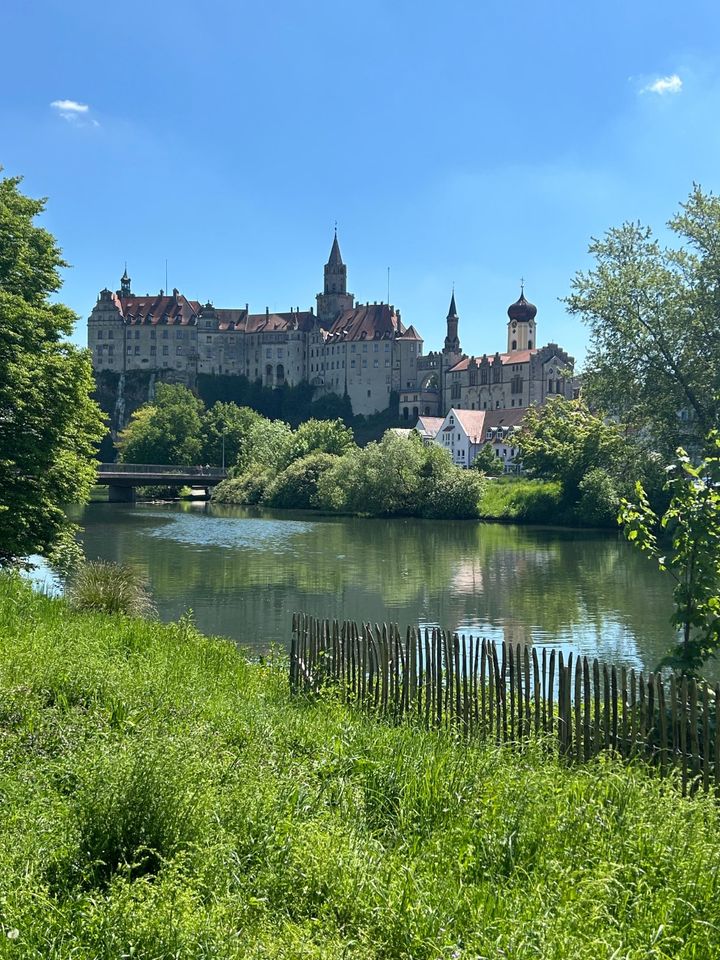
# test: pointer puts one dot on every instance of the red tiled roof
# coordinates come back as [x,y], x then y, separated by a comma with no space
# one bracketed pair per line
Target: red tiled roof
[476,423]
[278,322]
[156,309]
[372,322]
[430,425]
[517,356]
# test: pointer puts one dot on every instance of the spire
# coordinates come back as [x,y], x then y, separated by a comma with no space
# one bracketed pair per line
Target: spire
[336,259]
[125,289]
[452,312]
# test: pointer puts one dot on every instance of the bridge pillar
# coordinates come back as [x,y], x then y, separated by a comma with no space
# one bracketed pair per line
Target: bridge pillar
[121,493]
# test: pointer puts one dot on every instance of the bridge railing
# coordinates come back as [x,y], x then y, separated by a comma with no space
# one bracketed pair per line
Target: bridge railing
[160,469]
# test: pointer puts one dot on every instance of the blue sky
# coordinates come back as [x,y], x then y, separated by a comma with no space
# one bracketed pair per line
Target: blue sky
[462,142]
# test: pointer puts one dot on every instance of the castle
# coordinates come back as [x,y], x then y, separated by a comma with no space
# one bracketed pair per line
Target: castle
[362,350]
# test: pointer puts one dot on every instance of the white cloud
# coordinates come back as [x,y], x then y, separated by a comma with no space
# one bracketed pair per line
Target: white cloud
[69,106]
[74,112]
[663,85]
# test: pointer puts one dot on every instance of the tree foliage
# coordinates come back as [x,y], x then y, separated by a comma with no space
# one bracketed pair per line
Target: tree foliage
[167,431]
[488,462]
[225,426]
[563,440]
[689,550]
[49,426]
[654,356]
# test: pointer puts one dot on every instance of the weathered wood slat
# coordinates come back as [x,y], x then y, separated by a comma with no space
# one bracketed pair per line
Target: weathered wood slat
[510,693]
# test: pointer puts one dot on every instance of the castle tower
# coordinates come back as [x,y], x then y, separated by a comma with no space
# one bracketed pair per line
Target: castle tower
[452,341]
[334,299]
[125,287]
[521,325]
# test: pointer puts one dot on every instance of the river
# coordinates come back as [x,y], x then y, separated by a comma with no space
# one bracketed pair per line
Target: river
[243,571]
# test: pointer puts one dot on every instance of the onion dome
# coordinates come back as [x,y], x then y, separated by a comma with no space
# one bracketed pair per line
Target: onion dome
[522,311]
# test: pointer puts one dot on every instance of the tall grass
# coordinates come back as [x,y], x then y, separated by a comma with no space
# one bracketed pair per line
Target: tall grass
[106,587]
[162,797]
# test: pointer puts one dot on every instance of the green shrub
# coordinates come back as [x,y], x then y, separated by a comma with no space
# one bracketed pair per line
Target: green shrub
[249,488]
[297,486]
[109,588]
[599,501]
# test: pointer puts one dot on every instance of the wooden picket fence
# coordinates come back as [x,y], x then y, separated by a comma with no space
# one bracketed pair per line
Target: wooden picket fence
[509,693]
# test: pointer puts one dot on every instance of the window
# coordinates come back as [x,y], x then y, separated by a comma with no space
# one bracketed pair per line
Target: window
[497,373]
[100,334]
[377,347]
[166,334]
[364,363]
[484,375]
[376,363]
[153,350]
[166,350]
[268,353]
[352,363]
[153,334]
[111,334]
[208,339]
[178,350]
[137,351]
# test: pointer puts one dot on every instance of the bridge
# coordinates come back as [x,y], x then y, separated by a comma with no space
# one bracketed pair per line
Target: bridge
[122,478]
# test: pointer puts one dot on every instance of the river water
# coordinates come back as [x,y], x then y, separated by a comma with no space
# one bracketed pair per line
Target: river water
[243,571]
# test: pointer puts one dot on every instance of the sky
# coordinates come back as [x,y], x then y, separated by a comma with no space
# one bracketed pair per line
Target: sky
[467,143]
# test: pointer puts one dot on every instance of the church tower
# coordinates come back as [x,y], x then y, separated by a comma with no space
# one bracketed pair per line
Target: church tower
[521,325]
[334,299]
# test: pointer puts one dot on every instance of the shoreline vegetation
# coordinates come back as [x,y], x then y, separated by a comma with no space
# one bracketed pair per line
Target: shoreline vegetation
[165,796]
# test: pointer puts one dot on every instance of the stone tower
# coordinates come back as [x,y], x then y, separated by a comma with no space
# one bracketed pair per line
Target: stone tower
[452,341]
[521,324]
[334,299]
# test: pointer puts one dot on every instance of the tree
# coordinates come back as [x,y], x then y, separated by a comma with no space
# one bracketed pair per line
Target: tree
[296,486]
[488,462]
[563,440]
[654,357]
[691,555]
[166,431]
[266,446]
[49,426]
[322,436]
[225,428]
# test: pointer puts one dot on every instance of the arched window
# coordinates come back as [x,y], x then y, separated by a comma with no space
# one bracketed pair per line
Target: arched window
[406,413]
[280,373]
[514,345]
[268,375]
[529,344]
[416,413]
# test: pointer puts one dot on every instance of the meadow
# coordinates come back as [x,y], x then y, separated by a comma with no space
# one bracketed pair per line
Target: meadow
[163,795]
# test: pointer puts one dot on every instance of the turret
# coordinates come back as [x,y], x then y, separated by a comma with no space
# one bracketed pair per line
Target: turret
[125,287]
[452,341]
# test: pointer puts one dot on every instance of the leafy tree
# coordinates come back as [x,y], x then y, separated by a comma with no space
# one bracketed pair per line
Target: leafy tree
[49,426]
[562,440]
[267,445]
[488,462]
[225,427]
[690,551]
[296,487]
[323,436]
[654,356]
[167,431]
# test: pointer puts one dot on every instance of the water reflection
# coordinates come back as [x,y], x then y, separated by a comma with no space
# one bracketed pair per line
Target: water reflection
[244,571]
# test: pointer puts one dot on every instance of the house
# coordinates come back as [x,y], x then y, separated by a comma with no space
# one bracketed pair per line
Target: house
[464,432]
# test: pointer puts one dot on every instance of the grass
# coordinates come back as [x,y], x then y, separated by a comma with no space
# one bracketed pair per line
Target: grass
[102,587]
[517,499]
[164,797]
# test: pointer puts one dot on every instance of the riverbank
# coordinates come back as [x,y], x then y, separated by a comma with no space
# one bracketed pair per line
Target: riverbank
[163,796]
[507,499]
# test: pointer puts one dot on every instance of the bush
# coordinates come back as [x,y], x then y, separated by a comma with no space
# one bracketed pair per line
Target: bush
[109,588]
[246,489]
[599,502]
[297,486]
